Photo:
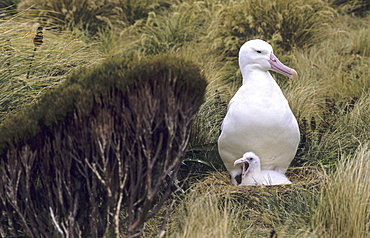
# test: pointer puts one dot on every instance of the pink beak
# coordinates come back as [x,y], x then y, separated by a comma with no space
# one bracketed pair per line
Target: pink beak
[279,67]
[244,168]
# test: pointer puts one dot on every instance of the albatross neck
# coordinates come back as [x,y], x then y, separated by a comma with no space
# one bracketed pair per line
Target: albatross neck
[251,74]
[254,169]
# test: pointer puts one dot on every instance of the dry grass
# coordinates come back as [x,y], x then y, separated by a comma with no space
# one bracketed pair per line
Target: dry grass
[332,87]
[205,216]
[286,24]
[25,73]
[344,202]
[89,16]
[214,208]
[316,205]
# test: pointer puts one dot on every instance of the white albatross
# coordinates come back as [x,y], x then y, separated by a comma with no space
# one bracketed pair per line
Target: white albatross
[253,175]
[259,118]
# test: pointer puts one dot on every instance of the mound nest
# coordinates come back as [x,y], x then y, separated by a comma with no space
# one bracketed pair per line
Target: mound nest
[305,182]
[300,177]
[265,206]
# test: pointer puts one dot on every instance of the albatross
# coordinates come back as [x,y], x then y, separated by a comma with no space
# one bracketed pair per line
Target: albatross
[253,175]
[259,118]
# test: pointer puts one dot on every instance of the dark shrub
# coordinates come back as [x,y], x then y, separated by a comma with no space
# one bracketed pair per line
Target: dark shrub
[97,156]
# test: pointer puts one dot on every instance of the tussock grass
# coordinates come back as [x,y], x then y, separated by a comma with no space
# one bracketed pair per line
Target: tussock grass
[344,202]
[332,87]
[206,216]
[90,15]
[169,32]
[346,133]
[357,7]
[359,38]
[287,24]
[25,73]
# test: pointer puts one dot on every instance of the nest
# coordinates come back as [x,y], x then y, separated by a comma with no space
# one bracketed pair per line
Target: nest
[300,176]
[305,183]
[265,206]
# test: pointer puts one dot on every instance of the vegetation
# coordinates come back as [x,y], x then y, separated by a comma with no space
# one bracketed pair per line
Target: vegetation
[103,147]
[326,41]
[90,15]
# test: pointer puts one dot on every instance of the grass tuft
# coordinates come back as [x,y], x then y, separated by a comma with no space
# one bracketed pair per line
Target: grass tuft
[344,202]
[25,73]
[286,24]
[90,15]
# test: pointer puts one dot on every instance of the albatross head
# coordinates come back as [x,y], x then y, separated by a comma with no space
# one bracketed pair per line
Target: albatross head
[258,54]
[250,162]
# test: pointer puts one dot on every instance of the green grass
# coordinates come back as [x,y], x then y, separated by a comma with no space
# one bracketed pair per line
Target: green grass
[330,51]
[25,73]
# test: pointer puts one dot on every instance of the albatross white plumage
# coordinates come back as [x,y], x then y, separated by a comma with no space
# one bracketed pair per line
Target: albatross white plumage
[259,118]
[253,175]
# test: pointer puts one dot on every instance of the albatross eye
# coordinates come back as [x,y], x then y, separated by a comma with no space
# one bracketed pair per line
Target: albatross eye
[251,159]
[258,51]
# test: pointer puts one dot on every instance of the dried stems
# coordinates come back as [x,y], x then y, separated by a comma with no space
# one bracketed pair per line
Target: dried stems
[109,165]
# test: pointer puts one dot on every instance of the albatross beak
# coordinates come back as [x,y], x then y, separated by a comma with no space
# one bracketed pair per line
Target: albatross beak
[279,67]
[240,161]
[244,168]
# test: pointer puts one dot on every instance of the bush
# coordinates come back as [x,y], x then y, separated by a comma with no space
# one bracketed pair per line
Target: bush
[89,15]
[98,155]
[288,24]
